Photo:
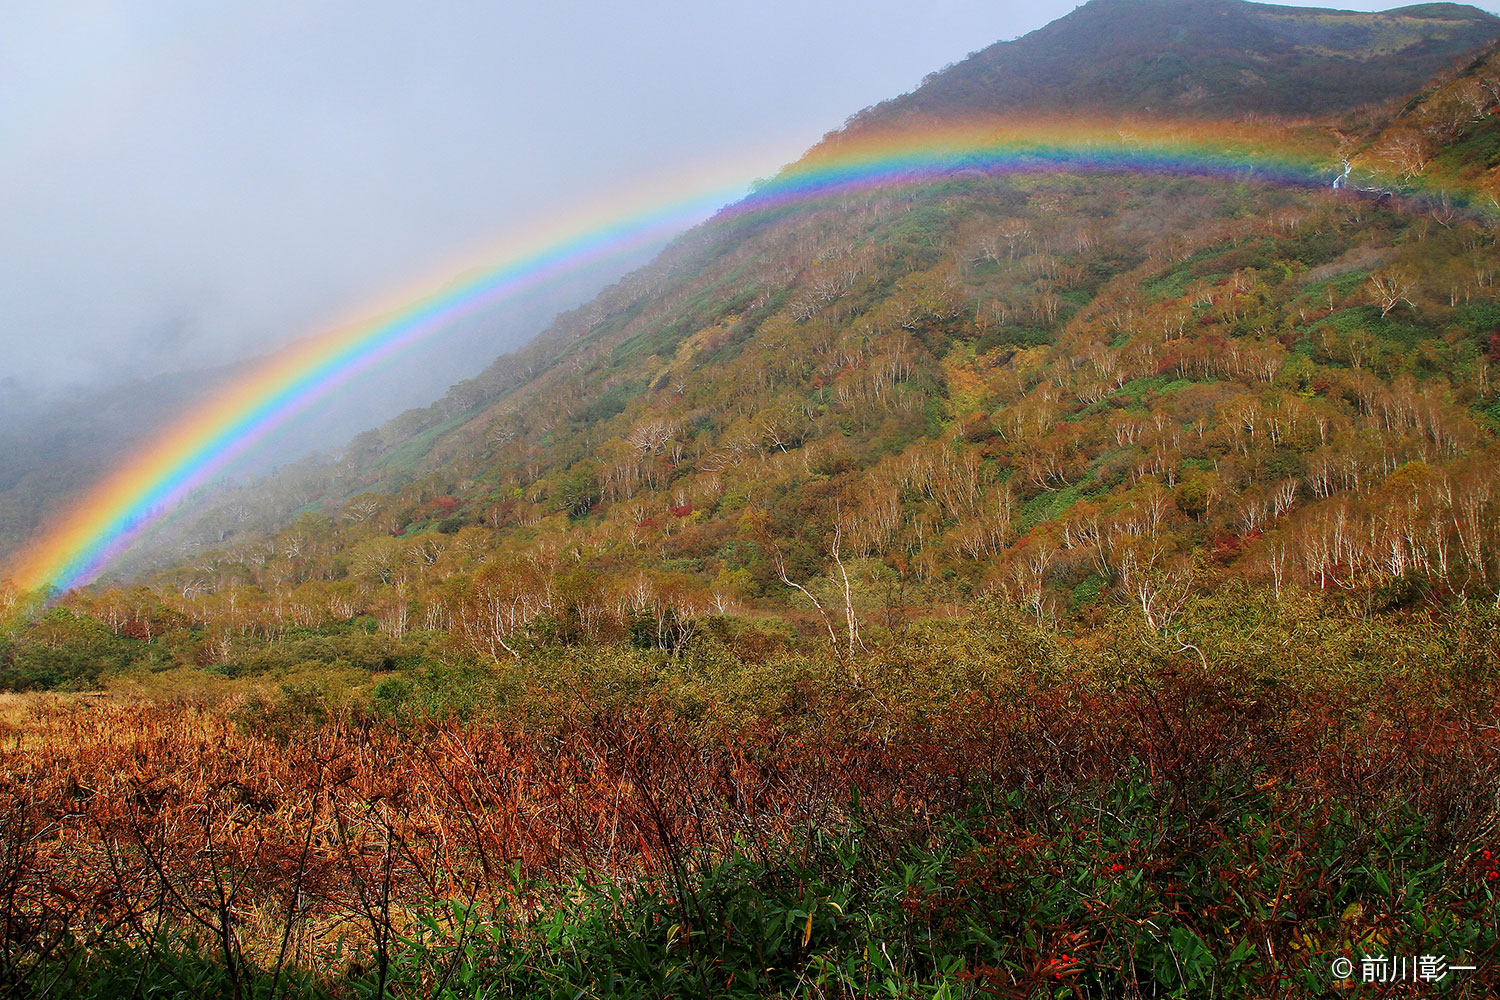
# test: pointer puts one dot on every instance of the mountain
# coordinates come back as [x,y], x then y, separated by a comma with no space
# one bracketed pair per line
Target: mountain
[1168,57]
[1078,388]
[1204,58]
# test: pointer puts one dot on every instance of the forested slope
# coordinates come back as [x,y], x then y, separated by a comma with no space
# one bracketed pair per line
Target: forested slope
[1065,389]
[1075,389]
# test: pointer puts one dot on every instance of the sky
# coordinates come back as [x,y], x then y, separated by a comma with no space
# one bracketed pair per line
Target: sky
[190,183]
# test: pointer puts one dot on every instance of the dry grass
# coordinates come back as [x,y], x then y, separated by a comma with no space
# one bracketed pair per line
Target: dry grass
[274,842]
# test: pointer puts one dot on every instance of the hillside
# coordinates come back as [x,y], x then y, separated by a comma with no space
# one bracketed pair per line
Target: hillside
[977,386]
[1109,56]
[1080,392]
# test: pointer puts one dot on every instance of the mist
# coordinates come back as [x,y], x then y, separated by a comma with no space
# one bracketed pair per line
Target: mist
[186,188]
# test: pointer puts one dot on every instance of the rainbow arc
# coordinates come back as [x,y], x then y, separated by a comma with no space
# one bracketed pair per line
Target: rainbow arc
[198,447]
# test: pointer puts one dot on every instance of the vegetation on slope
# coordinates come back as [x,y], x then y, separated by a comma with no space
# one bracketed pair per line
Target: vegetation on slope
[1279,785]
[1055,387]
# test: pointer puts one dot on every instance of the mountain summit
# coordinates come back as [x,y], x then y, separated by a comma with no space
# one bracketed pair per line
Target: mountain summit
[1206,58]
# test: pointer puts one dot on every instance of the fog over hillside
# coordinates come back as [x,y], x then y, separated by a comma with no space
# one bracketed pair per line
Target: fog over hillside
[189,188]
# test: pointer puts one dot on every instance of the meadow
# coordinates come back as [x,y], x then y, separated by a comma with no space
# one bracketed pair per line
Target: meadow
[983,806]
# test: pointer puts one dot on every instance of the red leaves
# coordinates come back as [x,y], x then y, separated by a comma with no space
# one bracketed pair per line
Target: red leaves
[1225,548]
[58,889]
[317,821]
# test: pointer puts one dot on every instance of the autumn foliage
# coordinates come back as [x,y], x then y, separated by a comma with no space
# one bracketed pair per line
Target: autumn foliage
[1261,824]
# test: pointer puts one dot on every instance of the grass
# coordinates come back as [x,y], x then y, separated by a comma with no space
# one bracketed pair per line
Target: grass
[1112,890]
[1279,784]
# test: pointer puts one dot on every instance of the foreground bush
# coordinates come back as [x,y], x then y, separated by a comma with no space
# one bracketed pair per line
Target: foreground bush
[1141,820]
[1102,901]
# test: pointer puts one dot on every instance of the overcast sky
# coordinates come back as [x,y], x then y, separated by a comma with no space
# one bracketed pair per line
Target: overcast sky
[182,184]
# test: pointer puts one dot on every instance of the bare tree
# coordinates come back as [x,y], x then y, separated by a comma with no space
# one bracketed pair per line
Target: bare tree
[1391,288]
[1408,154]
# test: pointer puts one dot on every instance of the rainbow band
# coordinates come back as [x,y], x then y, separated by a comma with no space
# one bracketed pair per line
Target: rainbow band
[141,490]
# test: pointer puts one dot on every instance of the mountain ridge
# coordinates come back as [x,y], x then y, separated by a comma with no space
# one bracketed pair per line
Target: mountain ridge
[1204,58]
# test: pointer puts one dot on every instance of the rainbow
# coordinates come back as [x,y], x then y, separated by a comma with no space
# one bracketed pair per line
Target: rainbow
[149,484]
